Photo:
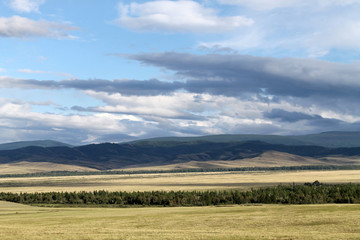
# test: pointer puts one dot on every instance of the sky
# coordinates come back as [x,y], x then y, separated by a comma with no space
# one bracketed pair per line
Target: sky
[90,71]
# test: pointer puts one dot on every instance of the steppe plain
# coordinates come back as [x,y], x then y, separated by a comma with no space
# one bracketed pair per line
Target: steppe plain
[329,221]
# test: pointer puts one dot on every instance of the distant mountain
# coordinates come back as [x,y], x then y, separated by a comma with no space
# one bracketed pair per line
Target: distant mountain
[40,143]
[111,156]
[326,139]
[332,139]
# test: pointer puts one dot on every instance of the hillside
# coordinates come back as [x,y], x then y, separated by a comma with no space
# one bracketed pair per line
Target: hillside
[37,167]
[267,159]
[111,156]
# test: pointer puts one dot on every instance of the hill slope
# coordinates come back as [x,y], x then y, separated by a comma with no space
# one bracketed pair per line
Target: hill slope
[267,159]
[37,167]
[110,156]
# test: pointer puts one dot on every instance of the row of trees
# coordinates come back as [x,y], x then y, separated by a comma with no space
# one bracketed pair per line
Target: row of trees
[310,193]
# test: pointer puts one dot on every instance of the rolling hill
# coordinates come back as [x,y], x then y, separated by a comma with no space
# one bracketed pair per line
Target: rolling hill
[38,167]
[158,153]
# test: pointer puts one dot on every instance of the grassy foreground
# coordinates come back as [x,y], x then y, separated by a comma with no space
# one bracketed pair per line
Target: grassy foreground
[232,222]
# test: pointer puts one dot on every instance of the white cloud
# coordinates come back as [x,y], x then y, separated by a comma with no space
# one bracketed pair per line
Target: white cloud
[249,39]
[216,114]
[30,71]
[26,6]
[266,5]
[42,58]
[177,16]
[262,4]
[22,117]
[207,113]
[24,70]
[304,29]
[339,33]
[181,113]
[185,113]
[169,106]
[20,27]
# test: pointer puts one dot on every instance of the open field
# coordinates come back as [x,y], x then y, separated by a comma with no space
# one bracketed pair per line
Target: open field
[231,222]
[175,181]
[327,221]
[267,159]
[36,167]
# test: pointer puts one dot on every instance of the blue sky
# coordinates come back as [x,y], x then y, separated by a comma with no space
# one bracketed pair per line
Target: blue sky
[92,71]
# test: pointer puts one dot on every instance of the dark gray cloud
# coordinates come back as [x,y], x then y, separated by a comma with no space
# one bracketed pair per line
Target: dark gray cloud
[233,74]
[150,87]
[315,121]
[229,75]
[126,87]
[286,116]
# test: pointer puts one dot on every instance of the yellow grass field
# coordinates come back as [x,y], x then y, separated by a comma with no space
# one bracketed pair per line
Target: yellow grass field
[328,221]
[267,159]
[175,181]
[230,222]
[36,167]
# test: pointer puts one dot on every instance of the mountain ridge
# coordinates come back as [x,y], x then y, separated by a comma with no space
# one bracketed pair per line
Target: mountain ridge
[107,156]
[200,151]
[38,143]
[324,139]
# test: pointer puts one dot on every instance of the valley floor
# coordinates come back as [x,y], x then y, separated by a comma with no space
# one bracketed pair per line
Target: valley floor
[175,181]
[328,221]
[231,222]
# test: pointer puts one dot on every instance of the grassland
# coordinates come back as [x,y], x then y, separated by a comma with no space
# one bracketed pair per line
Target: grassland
[231,222]
[175,181]
[267,159]
[227,222]
[36,167]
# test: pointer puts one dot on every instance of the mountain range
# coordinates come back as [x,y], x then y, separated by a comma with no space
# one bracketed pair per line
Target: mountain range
[325,139]
[324,149]
[39,143]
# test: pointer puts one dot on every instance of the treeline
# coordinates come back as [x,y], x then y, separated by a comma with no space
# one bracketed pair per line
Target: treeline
[185,170]
[309,193]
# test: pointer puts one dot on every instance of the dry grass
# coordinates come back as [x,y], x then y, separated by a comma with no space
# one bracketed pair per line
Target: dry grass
[36,167]
[267,159]
[231,222]
[175,181]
